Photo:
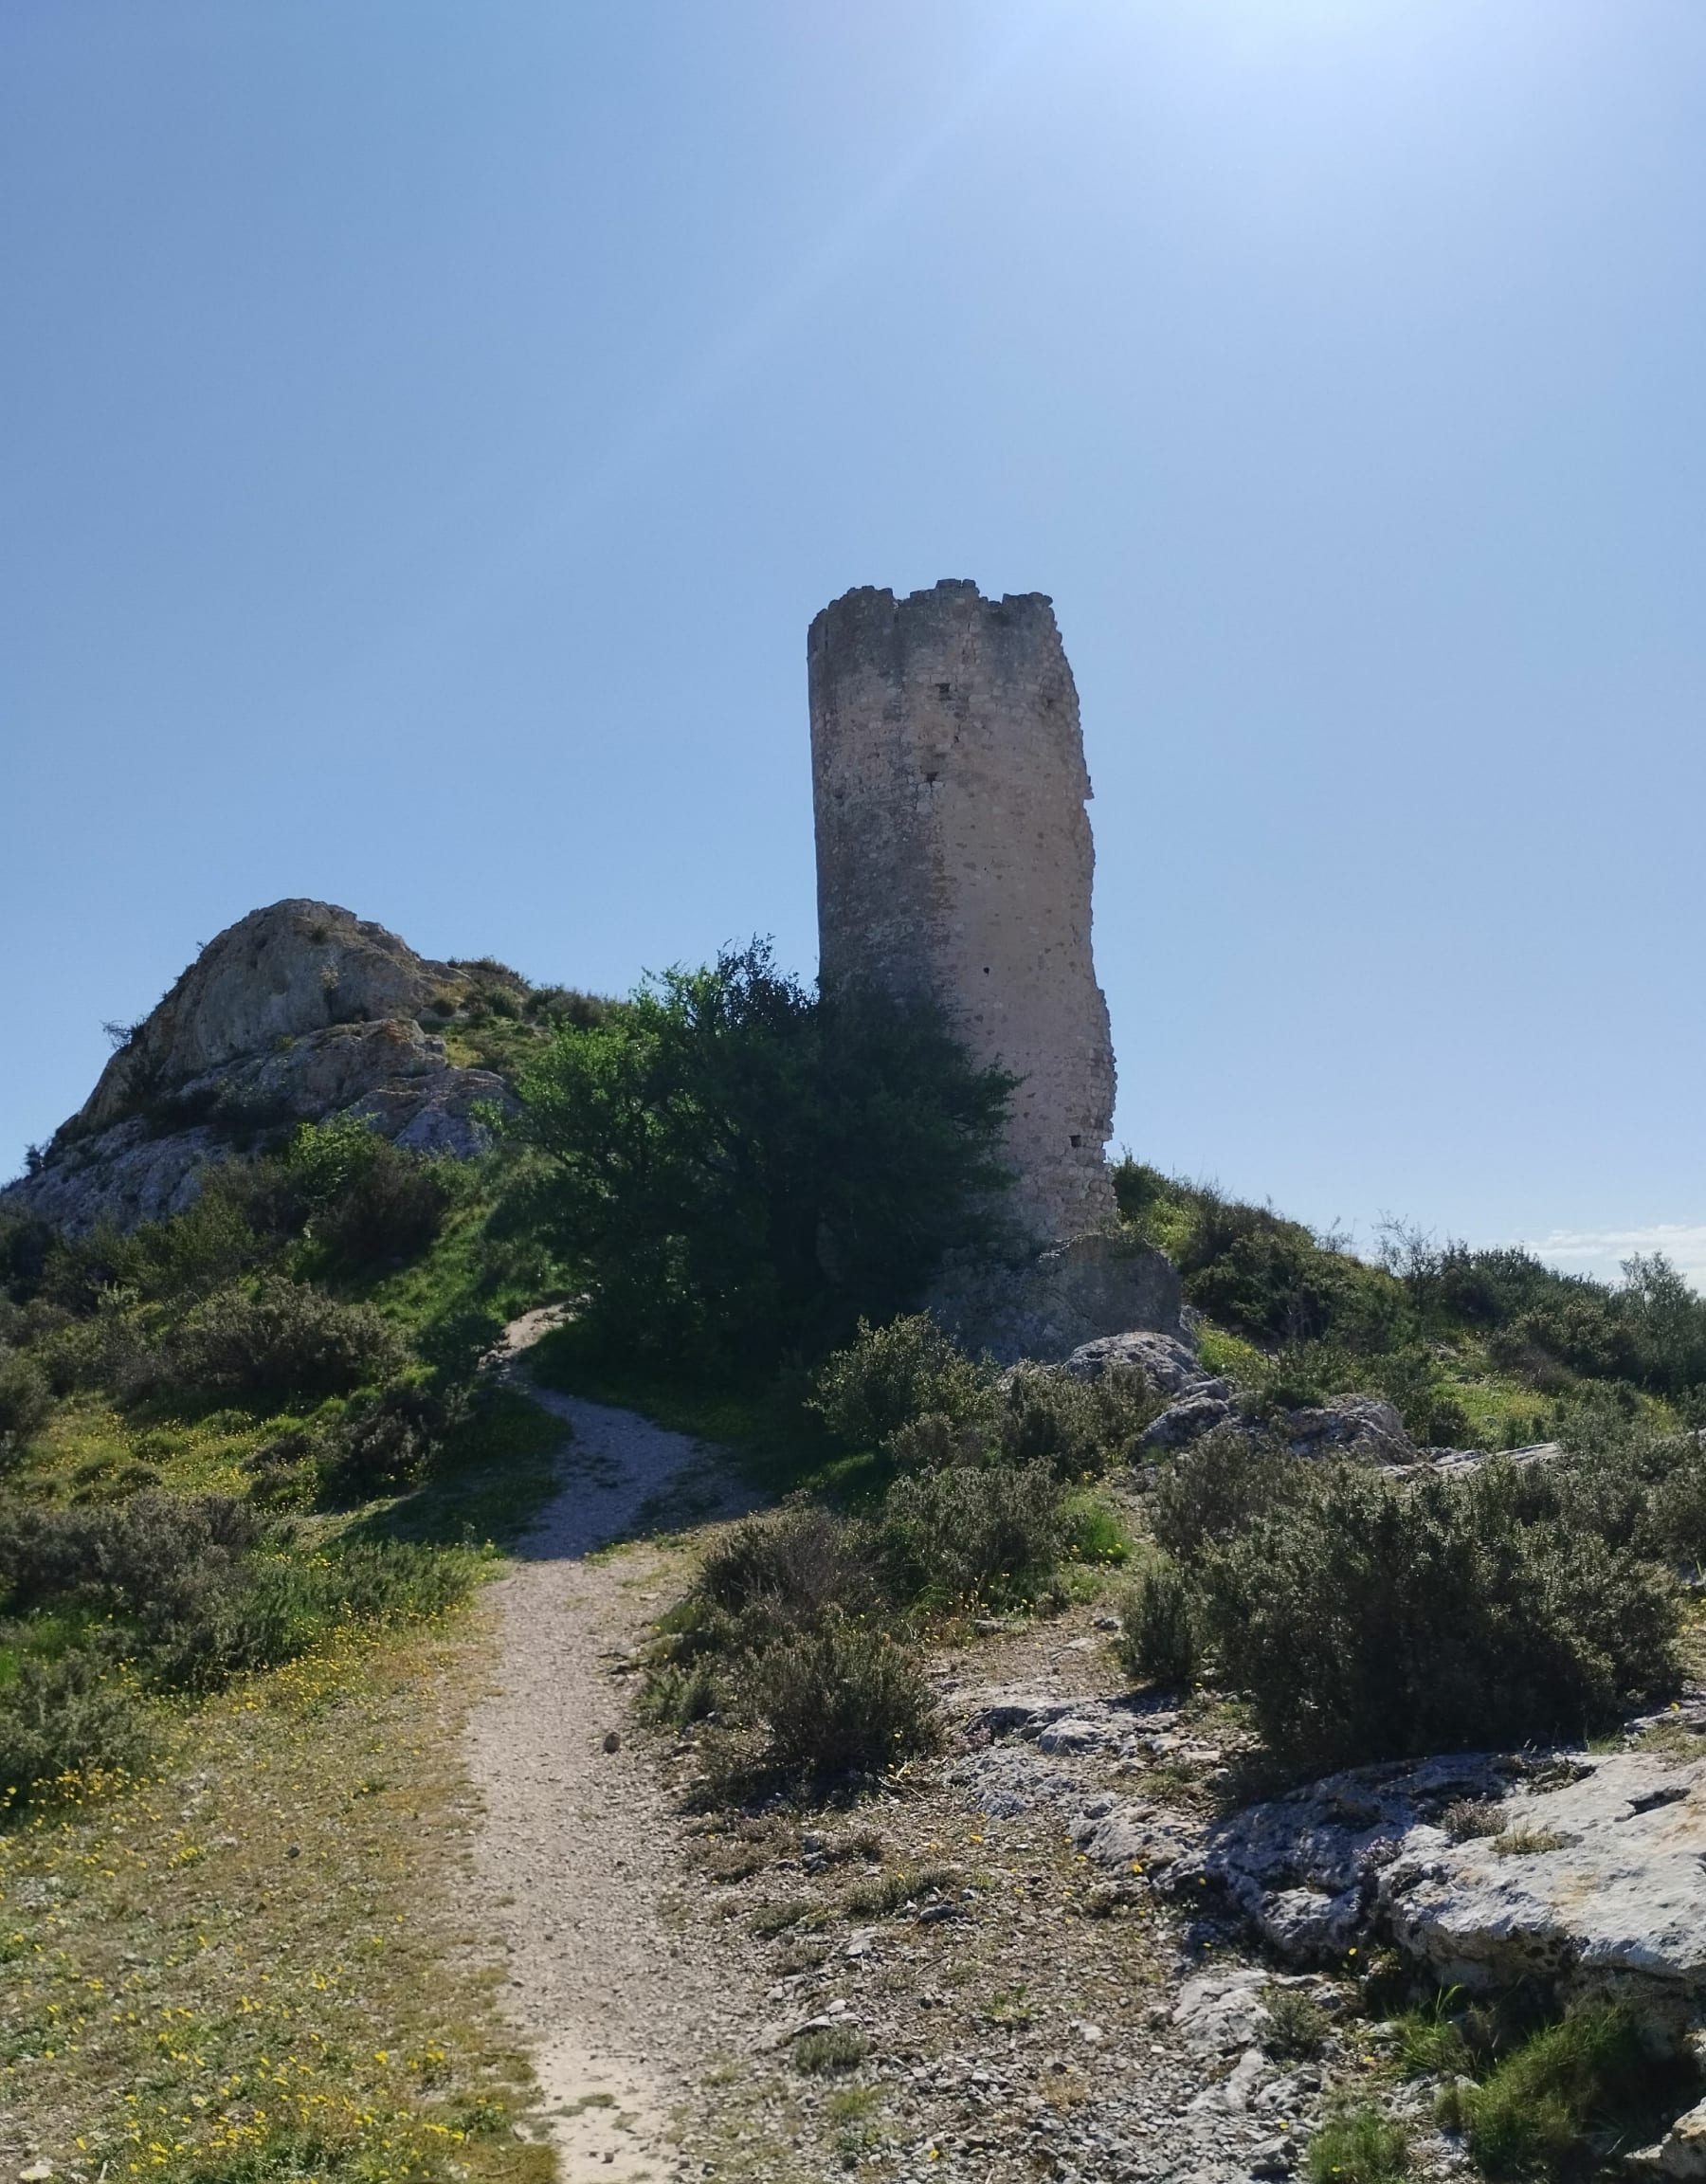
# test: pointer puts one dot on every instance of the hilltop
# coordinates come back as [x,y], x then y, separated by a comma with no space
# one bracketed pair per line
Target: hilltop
[1187,1756]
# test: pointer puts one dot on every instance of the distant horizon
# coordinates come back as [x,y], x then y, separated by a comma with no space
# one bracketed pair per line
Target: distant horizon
[438,427]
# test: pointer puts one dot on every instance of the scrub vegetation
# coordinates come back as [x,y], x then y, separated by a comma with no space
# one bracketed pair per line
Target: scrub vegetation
[252,1466]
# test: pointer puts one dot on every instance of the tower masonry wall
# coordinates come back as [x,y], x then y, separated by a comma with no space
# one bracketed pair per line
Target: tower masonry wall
[955,858]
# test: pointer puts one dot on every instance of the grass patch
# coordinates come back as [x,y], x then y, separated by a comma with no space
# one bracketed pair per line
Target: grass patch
[1359,2145]
[248,1963]
[1573,2092]
[831,2047]
[892,1892]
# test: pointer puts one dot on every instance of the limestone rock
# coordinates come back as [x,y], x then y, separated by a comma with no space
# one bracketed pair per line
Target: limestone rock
[1681,2152]
[1348,1426]
[1595,1885]
[294,1013]
[1186,1421]
[1167,1361]
[1048,1308]
[296,968]
[1219,2012]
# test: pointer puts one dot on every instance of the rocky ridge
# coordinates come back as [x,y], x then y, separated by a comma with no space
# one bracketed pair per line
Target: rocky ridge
[297,1012]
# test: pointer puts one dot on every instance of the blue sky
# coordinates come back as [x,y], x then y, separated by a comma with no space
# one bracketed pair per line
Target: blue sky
[432,427]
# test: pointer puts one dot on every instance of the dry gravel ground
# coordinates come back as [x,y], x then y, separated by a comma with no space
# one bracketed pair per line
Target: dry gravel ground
[1000,2012]
[577,1845]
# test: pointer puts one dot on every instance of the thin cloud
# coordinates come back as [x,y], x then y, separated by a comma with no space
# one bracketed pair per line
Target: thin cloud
[1602,1251]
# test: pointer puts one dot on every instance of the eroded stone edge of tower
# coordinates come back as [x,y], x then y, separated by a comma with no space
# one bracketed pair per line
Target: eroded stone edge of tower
[955,861]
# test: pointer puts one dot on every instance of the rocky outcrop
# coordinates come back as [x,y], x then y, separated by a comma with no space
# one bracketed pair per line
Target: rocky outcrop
[294,1013]
[277,975]
[1564,1873]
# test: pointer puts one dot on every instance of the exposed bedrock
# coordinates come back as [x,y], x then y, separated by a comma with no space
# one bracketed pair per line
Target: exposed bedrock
[294,1013]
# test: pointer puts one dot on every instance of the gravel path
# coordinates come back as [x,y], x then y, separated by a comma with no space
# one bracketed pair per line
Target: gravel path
[622,2005]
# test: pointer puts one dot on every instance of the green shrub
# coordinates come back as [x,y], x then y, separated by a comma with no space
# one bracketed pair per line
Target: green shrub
[841,1697]
[280,1342]
[1157,1628]
[787,1569]
[125,1557]
[1368,1619]
[388,1437]
[1080,1427]
[971,1533]
[889,1377]
[1296,2025]
[1538,2108]
[1218,1488]
[201,1596]
[675,1695]
[25,1400]
[1358,2145]
[737,1168]
[368,1202]
[67,1716]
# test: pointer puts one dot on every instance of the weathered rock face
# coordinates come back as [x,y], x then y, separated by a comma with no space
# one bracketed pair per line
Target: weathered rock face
[1567,1873]
[954,858]
[1048,1308]
[293,1014]
[278,973]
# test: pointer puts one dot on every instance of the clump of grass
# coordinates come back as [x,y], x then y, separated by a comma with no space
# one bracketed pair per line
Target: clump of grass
[1358,2145]
[781,1918]
[892,1892]
[1431,2043]
[1296,2026]
[1527,1842]
[831,2047]
[1009,2008]
[675,1695]
[1540,2106]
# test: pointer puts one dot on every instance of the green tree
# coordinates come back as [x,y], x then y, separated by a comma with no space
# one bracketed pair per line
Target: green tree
[737,1168]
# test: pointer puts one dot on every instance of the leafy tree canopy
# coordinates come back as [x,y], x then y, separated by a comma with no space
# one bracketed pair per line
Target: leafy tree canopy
[736,1167]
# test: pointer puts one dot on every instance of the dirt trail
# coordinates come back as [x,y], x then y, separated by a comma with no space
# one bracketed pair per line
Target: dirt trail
[622,2006]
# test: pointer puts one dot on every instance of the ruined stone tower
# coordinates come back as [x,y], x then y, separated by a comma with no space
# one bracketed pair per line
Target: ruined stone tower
[955,858]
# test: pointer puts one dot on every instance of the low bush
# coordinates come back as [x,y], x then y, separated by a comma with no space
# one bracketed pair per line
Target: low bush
[786,1571]
[973,1534]
[388,1437]
[25,1399]
[368,1203]
[66,1716]
[1218,1489]
[1080,1427]
[841,1697]
[195,1587]
[1296,2025]
[123,1557]
[1368,1619]
[1157,1628]
[280,1342]
[890,1377]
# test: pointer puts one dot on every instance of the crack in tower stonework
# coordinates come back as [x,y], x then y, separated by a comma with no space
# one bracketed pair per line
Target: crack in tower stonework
[954,858]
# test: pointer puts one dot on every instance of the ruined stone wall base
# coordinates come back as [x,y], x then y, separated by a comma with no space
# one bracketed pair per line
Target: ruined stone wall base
[1045,1307]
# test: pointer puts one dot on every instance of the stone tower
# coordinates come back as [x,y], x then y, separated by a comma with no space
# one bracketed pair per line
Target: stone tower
[955,858]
